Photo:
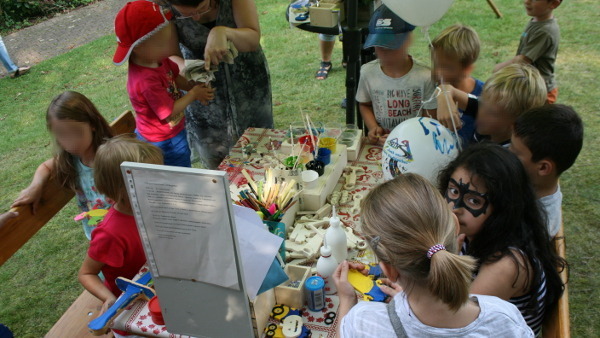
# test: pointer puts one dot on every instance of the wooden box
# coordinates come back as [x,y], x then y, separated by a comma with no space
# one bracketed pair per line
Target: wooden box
[293,296]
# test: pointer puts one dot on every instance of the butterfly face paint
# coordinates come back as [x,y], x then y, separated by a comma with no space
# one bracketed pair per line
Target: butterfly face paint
[463,197]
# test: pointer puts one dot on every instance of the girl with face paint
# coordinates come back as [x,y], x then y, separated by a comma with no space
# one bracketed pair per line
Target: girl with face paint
[488,190]
[414,235]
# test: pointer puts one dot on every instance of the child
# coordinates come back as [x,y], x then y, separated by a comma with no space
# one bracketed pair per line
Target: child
[506,95]
[490,193]
[78,129]
[116,249]
[153,82]
[547,140]
[539,43]
[416,244]
[392,88]
[454,53]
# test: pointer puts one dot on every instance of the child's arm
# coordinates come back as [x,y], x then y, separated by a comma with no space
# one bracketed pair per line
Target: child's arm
[88,277]
[449,100]
[33,193]
[345,290]
[375,131]
[516,59]
[198,92]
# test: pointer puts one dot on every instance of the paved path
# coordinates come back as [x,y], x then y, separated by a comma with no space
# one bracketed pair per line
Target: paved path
[62,33]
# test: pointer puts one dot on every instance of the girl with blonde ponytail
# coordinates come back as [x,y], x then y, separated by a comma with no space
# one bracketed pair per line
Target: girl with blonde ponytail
[413,233]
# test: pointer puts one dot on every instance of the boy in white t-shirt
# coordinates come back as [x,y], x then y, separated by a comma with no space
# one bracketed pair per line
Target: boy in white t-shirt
[548,140]
[394,87]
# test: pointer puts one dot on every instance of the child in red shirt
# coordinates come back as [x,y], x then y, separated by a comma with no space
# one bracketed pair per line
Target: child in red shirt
[115,248]
[147,38]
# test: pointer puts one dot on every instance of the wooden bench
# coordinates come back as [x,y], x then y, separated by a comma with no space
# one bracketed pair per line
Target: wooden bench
[17,231]
[558,325]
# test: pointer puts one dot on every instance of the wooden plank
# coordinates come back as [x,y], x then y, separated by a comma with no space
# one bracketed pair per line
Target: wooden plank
[17,231]
[558,324]
[73,322]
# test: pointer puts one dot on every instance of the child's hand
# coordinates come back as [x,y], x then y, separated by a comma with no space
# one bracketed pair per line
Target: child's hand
[375,134]
[340,278]
[107,304]
[30,195]
[203,93]
[448,111]
[389,288]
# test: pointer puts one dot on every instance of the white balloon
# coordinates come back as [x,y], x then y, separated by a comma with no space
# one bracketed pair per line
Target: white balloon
[420,145]
[419,12]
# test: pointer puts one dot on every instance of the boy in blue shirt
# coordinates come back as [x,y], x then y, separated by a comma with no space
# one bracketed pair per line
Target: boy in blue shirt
[454,53]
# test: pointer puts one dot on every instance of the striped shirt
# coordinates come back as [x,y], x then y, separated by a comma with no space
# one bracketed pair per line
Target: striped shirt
[533,318]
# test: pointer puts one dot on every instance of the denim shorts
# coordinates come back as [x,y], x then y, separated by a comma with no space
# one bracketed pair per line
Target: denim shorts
[175,150]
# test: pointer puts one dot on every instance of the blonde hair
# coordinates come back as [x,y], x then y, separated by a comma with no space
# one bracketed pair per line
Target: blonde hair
[74,106]
[460,42]
[409,216]
[107,164]
[517,88]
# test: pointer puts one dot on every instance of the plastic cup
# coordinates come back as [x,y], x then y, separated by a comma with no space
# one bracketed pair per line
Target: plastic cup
[329,143]
[310,179]
[324,155]
[155,312]
[308,140]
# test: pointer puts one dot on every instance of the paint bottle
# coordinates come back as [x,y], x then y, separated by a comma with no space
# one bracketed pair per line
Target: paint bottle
[335,238]
[326,265]
[315,293]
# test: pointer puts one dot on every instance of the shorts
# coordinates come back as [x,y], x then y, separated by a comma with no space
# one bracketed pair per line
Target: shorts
[325,37]
[176,150]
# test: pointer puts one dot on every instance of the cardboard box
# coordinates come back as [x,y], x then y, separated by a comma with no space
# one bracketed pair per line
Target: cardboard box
[326,14]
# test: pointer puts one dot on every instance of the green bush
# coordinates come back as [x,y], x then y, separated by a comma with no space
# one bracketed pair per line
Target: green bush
[18,14]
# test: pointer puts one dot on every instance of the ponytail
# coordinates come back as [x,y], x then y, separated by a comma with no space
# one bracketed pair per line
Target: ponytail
[410,217]
[450,277]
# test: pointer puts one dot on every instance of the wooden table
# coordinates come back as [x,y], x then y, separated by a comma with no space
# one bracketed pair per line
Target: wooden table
[136,318]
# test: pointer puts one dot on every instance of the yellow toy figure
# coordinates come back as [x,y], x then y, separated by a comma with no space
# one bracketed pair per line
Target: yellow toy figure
[367,283]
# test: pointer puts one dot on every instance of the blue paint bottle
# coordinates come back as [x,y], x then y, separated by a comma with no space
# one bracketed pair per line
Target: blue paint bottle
[315,293]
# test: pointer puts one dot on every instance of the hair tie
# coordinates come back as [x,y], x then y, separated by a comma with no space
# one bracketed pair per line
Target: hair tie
[434,249]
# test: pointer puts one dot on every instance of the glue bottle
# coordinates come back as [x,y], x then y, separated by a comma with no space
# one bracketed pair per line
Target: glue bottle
[336,238]
[326,265]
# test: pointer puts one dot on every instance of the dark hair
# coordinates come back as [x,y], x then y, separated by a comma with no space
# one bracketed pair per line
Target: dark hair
[553,131]
[77,107]
[516,221]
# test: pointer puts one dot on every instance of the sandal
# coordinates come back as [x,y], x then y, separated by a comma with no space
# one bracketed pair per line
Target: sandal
[19,72]
[324,70]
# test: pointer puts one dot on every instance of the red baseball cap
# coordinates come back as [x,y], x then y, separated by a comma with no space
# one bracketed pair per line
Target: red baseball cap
[135,22]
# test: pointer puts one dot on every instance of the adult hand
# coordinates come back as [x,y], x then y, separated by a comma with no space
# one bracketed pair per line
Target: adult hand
[389,288]
[30,195]
[216,46]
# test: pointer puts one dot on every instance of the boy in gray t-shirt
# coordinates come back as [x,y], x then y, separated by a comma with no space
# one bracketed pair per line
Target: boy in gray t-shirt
[394,87]
[539,42]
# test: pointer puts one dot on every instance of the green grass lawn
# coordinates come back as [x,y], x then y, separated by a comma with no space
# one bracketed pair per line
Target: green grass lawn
[39,282]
